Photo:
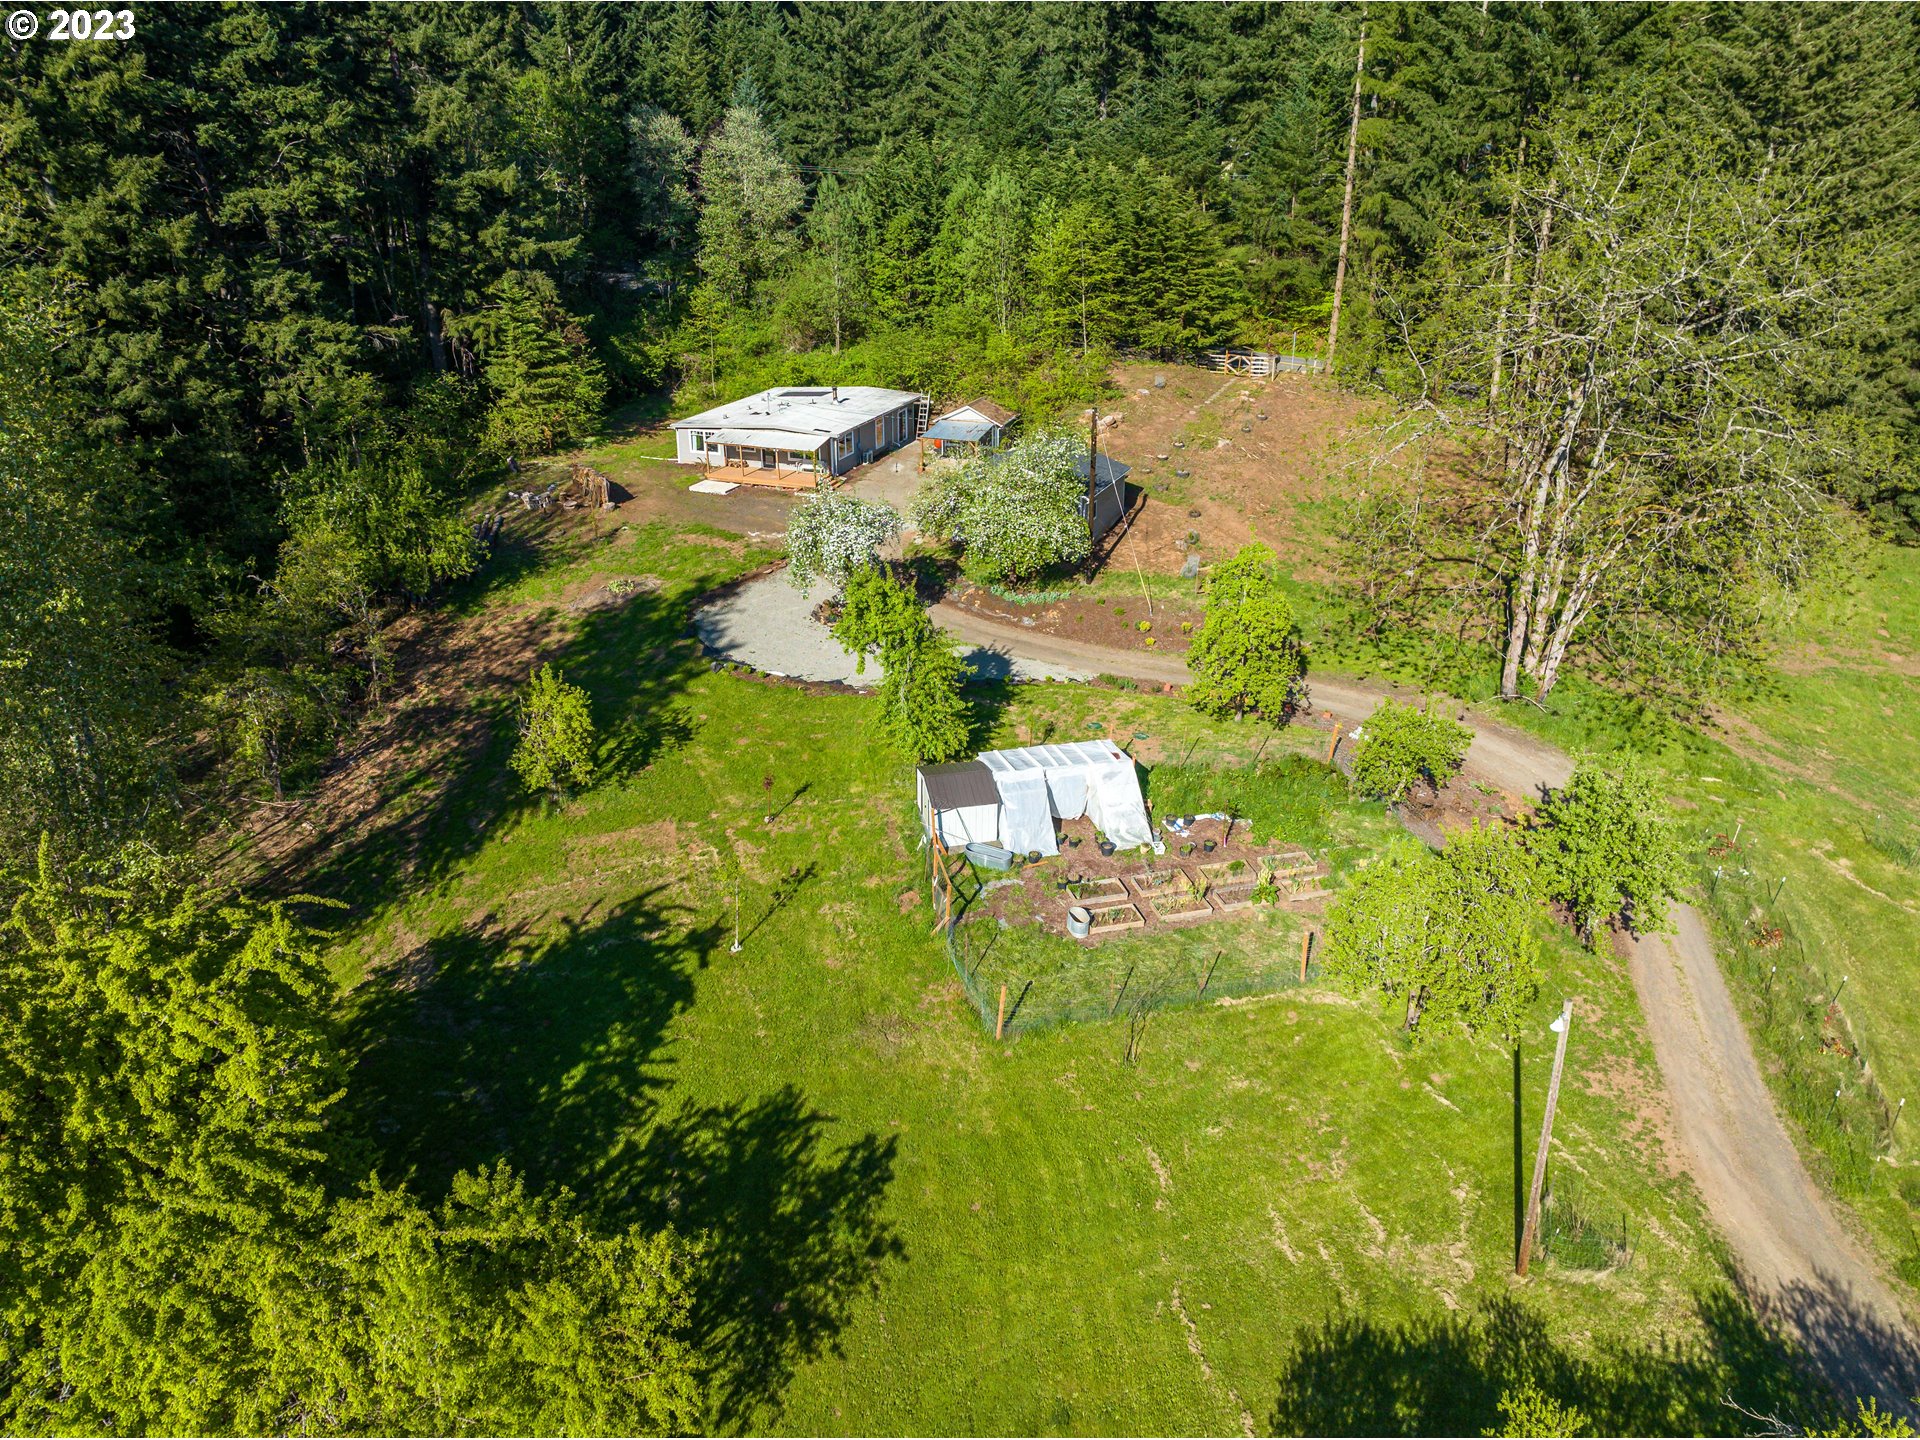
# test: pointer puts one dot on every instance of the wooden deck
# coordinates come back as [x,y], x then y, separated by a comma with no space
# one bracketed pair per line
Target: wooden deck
[781,479]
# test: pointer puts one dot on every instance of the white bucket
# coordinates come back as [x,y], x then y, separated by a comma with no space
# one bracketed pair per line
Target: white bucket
[1079,922]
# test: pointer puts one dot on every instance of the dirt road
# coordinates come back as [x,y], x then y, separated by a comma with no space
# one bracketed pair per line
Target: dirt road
[1800,1266]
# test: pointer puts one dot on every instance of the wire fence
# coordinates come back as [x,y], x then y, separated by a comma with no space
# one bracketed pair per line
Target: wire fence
[1824,1076]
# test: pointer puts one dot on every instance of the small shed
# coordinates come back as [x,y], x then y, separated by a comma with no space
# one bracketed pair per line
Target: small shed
[977,425]
[1011,798]
[961,800]
[1109,492]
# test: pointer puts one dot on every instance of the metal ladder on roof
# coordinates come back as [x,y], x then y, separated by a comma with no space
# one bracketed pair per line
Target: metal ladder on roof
[921,410]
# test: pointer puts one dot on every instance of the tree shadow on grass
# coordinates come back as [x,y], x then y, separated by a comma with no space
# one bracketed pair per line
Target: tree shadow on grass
[795,1229]
[1446,1375]
[487,1045]
[427,787]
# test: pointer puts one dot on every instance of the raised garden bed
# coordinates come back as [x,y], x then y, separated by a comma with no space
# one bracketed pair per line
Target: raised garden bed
[1232,897]
[1095,892]
[1227,872]
[1182,906]
[1151,884]
[1115,918]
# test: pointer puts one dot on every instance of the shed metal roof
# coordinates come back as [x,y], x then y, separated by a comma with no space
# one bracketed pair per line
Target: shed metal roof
[949,428]
[959,786]
[1112,472]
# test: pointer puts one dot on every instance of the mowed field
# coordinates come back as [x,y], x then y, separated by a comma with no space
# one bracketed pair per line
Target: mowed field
[1279,1217]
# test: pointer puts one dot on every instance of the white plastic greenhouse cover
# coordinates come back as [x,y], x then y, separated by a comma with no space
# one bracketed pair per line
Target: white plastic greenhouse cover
[1041,783]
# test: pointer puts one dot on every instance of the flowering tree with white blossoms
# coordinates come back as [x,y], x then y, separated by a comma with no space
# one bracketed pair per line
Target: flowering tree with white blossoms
[832,536]
[1016,511]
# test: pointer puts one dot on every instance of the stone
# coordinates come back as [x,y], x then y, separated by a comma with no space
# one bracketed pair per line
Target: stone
[1191,569]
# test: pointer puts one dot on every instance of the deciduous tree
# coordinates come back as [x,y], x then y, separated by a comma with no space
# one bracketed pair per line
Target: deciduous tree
[1246,655]
[556,734]
[833,536]
[1453,937]
[1649,466]
[1016,511]
[1608,846]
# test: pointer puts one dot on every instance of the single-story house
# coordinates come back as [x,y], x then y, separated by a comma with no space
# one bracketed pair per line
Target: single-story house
[980,424]
[793,435]
[1011,798]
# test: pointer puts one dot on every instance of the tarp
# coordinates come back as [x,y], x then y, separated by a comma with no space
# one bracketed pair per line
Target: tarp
[1095,778]
[1026,822]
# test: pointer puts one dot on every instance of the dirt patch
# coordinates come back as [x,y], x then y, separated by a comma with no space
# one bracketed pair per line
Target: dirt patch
[1649,1127]
[451,677]
[1254,452]
[1106,621]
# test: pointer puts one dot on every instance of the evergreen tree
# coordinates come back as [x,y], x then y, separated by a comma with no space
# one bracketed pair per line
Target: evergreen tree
[1077,276]
[81,699]
[545,388]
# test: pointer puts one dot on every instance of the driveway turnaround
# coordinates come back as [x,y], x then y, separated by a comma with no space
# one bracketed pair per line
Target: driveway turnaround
[768,624]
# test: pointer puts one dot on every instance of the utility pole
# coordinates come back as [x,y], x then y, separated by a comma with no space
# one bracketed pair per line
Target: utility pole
[1564,1024]
[1346,208]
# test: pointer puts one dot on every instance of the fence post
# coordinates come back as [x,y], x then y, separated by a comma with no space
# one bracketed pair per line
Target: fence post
[1306,949]
[1000,1021]
[1334,744]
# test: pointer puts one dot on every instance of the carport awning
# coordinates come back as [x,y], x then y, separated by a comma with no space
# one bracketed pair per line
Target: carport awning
[950,429]
[772,439]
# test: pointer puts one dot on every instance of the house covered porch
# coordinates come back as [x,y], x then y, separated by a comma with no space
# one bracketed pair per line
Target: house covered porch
[784,462]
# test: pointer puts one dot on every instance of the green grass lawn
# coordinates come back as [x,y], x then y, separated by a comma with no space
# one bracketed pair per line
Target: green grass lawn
[1814,767]
[1277,1215]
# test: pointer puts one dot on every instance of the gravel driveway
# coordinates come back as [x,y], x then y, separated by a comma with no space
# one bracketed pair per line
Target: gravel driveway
[768,624]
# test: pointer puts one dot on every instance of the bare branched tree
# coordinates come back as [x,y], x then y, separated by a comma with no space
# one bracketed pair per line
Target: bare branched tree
[1645,474]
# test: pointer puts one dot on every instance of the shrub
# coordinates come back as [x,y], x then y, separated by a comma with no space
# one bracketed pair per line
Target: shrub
[1246,656]
[556,734]
[1399,746]
[1607,846]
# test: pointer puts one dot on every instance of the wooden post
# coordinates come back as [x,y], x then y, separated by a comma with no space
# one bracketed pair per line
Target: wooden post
[1093,468]
[1000,1022]
[1306,949]
[1346,208]
[1546,1135]
[1334,743]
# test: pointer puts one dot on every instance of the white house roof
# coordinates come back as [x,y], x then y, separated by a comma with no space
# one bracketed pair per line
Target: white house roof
[820,411]
[781,439]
